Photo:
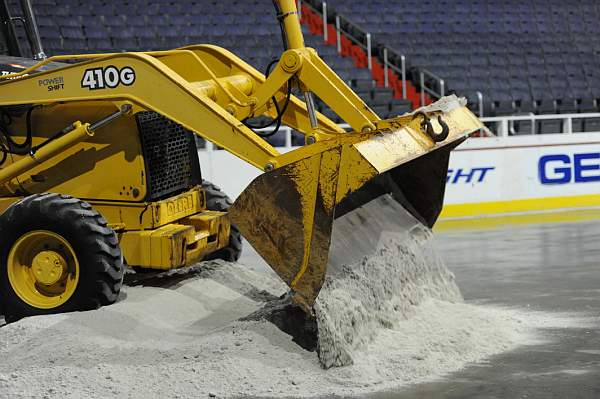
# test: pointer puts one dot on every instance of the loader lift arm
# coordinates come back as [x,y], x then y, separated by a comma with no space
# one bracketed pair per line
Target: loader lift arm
[287,214]
[200,105]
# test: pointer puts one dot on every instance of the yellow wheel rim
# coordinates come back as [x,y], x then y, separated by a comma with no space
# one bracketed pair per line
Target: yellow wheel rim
[43,269]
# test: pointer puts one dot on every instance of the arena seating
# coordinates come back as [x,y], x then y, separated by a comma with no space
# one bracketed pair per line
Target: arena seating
[533,57]
[539,55]
[248,28]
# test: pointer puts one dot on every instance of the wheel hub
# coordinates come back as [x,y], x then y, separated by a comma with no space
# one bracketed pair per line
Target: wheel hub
[48,267]
[43,269]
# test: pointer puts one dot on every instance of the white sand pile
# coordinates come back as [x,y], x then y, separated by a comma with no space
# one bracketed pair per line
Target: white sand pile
[184,340]
[379,292]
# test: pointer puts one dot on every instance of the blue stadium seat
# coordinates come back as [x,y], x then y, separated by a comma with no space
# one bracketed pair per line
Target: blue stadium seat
[105,10]
[72,33]
[125,44]
[145,32]
[546,44]
[99,45]
[588,125]
[49,33]
[117,21]
[96,32]
[72,45]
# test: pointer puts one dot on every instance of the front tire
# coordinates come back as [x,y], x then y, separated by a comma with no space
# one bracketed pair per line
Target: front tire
[217,200]
[57,254]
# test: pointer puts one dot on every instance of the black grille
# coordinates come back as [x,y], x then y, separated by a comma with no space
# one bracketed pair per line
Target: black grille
[170,155]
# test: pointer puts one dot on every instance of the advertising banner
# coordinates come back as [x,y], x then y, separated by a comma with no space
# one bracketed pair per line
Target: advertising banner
[486,176]
[523,174]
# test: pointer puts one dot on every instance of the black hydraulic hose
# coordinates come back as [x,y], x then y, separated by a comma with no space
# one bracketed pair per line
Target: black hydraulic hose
[287,99]
[280,111]
[272,122]
[14,147]
[3,148]
[279,119]
[4,155]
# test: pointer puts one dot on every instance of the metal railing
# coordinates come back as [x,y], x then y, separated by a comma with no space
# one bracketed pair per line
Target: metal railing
[425,89]
[505,126]
[501,126]
[480,103]
[285,130]
[425,76]
[325,26]
[366,45]
[401,71]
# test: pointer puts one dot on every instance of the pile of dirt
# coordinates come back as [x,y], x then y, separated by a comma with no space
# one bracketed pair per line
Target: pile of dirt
[182,335]
[379,292]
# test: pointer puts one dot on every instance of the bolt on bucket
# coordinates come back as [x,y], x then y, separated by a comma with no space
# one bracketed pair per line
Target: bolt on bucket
[288,215]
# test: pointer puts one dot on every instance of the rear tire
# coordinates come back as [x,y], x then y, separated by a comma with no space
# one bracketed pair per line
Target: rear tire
[217,200]
[82,248]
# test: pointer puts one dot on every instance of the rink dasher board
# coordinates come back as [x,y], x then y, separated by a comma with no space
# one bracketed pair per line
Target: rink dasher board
[486,176]
[523,174]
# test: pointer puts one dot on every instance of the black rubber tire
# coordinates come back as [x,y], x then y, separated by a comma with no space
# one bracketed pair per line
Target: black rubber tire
[217,200]
[95,244]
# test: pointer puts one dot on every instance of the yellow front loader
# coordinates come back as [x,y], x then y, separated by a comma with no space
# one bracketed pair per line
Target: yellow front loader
[99,168]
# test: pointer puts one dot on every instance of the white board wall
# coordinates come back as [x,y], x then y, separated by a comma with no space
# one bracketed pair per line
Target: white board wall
[481,170]
[524,167]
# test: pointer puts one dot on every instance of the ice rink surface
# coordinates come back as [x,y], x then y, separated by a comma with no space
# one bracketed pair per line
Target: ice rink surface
[546,267]
[179,335]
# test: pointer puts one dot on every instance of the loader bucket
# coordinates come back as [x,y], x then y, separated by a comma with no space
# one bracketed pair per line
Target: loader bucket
[288,215]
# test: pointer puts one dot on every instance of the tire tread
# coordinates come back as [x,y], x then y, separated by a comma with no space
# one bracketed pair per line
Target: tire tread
[101,243]
[217,200]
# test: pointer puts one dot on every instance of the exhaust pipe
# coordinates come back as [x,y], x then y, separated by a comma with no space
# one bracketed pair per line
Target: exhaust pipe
[31,28]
